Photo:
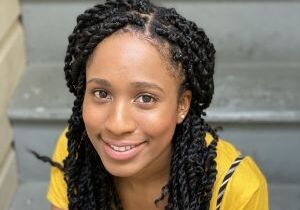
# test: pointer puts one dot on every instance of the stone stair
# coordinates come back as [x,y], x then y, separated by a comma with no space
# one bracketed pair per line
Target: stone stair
[257,100]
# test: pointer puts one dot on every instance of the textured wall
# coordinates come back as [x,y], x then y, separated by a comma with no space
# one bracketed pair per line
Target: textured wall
[12,64]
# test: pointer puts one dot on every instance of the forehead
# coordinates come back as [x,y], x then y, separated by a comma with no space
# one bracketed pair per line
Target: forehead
[131,55]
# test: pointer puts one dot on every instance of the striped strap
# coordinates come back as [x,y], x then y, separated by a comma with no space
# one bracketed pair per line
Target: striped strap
[226,180]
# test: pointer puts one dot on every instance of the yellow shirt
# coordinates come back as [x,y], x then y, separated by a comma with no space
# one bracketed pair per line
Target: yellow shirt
[246,190]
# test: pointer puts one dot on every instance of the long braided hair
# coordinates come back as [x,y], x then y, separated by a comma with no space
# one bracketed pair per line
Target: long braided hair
[193,167]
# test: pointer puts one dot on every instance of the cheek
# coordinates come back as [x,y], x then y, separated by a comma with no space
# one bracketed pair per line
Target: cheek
[92,116]
[159,124]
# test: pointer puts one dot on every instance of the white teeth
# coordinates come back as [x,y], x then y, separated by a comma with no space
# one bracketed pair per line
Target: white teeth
[122,149]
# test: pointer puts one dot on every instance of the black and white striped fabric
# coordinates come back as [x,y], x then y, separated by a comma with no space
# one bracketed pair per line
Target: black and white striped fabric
[226,180]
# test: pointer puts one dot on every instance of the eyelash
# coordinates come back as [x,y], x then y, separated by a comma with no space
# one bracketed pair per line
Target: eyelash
[153,99]
[98,95]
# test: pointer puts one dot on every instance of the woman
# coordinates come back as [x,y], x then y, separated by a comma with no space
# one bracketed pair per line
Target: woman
[142,76]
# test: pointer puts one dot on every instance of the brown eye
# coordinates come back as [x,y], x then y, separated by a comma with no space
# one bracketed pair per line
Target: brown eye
[146,99]
[102,94]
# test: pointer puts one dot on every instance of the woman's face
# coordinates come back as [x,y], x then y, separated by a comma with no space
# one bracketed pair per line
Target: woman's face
[130,107]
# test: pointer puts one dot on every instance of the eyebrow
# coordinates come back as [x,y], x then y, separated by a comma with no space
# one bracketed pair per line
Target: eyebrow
[146,85]
[99,81]
[106,83]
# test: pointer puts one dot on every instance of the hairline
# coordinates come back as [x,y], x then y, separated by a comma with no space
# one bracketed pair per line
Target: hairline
[163,47]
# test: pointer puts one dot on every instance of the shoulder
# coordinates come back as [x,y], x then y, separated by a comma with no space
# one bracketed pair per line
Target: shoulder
[226,154]
[247,185]
[61,149]
[57,190]
[247,188]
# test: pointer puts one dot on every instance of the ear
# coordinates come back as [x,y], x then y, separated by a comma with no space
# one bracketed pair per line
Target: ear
[184,105]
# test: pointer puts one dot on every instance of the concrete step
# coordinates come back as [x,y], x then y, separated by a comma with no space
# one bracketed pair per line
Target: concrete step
[256,99]
[32,196]
[284,197]
[258,106]
[242,31]
[244,92]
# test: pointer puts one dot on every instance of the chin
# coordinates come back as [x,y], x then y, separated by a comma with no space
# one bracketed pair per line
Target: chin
[120,173]
[119,170]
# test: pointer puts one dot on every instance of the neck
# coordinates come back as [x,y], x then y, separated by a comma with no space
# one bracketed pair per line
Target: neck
[141,190]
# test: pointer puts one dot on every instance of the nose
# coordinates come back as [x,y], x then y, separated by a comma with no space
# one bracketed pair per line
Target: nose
[119,120]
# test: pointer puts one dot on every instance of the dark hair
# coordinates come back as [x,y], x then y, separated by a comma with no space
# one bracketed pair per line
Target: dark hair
[193,168]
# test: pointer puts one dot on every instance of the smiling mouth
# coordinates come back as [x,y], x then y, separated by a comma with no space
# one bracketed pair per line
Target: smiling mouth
[122,148]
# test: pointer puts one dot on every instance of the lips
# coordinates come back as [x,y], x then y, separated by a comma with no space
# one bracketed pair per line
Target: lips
[122,150]
[120,143]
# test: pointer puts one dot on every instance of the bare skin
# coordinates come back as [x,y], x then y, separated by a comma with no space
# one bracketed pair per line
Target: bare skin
[132,96]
